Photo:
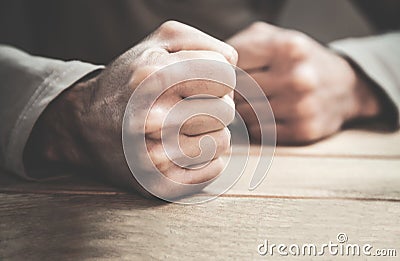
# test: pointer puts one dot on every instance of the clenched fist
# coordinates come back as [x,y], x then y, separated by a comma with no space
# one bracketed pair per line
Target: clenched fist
[82,127]
[312,90]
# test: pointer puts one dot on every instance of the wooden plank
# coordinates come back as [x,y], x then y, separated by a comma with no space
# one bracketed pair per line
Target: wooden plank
[68,184]
[351,143]
[125,227]
[325,177]
[294,177]
[308,197]
[346,144]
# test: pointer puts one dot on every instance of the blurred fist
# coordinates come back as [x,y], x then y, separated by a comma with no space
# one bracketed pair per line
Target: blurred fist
[312,90]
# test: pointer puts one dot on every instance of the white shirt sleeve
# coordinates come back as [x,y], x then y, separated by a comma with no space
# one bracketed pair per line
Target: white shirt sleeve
[379,58]
[28,84]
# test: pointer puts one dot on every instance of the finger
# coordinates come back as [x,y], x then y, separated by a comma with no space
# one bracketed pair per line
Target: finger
[199,177]
[271,82]
[201,124]
[215,114]
[212,72]
[203,87]
[158,113]
[189,152]
[196,176]
[282,108]
[180,37]
[205,115]
[197,125]
[284,48]
[270,46]
[257,35]
[288,133]
[289,106]
[269,131]
[248,112]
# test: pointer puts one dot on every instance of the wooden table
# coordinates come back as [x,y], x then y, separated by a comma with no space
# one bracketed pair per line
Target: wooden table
[349,184]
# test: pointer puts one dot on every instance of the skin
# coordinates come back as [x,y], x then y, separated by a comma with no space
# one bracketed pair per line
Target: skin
[313,92]
[82,127]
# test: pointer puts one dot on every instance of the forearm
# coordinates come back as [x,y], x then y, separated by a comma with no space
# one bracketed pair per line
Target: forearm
[56,138]
[28,85]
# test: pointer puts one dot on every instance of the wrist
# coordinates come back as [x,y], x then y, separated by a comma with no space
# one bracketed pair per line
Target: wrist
[368,100]
[365,99]
[56,136]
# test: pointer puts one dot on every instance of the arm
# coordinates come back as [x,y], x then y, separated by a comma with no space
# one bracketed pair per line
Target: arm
[378,57]
[82,127]
[28,85]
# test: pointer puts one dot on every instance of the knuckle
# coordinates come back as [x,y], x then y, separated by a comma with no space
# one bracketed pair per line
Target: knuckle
[222,142]
[154,155]
[234,57]
[231,115]
[169,28]
[154,121]
[147,159]
[229,110]
[256,26]
[142,73]
[303,79]
[151,54]
[219,165]
[225,140]
[296,45]
[231,55]
[259,26]
[159,158]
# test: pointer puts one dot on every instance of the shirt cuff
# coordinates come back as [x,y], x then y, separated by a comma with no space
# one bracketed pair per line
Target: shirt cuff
[378,57]
[60,79]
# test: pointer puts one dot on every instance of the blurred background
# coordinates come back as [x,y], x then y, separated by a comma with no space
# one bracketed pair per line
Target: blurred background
[325,20]
[99,30]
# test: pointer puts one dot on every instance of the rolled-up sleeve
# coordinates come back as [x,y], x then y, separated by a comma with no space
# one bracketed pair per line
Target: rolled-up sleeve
[28,85]
[379,58]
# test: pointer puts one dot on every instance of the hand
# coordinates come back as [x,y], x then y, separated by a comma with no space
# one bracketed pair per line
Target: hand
[83,126]
[312,90]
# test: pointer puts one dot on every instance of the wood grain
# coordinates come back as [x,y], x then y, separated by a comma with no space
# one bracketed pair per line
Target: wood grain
[347,144]
[349,183]
[326,177]
[297,177]
[351,144]
[125,227]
